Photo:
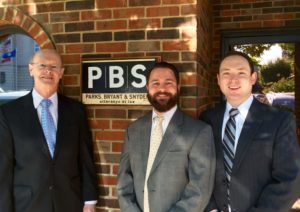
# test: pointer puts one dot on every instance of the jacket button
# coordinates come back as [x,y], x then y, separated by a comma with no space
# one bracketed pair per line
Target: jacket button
[51,187]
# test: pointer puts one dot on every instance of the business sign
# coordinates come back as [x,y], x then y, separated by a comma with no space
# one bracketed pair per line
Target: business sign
[111,82]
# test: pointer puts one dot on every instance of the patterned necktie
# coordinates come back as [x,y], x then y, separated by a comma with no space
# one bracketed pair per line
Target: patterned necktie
[228,147]
[48,125]
[156,138]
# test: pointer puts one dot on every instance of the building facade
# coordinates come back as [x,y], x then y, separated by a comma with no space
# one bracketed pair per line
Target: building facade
[188,33]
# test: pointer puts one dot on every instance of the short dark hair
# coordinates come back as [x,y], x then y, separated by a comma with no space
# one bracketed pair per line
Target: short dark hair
[242,54]
[164,64]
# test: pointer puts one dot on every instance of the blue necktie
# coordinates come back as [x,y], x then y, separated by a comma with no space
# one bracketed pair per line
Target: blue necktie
[48,125]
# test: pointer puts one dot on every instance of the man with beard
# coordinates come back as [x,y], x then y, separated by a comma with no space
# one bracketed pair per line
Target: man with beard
[168,160]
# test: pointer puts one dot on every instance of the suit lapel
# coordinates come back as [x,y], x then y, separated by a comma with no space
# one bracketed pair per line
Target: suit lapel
[35,125]
[170,135]
[250,128]
[62,122]
[217,121]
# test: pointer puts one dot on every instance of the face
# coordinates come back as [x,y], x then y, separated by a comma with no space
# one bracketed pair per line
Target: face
[162,89]
[235,79]
[46,70]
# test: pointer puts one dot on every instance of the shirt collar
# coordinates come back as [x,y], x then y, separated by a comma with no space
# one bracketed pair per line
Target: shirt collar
[37,98]
[167,115]
[243,108]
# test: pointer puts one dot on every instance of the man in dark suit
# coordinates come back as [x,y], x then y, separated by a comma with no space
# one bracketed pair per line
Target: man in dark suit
[39,173]
[258,156]
[175,174]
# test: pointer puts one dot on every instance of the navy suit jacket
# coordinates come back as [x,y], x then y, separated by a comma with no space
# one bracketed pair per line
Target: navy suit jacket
[182,175]
[265,175]
[30,180]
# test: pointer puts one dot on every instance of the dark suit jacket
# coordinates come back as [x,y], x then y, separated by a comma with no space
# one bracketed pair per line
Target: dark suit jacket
[181,178]
[265,174]
[30,180]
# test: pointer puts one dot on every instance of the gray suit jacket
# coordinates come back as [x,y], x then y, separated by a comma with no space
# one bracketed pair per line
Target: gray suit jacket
[266,170]
[181,178]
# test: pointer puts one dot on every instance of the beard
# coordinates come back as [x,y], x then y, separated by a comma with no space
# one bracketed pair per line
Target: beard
[163,105]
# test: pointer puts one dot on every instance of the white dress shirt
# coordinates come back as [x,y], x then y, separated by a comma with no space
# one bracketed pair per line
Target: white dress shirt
[167,118]
[239,118]
[37,98]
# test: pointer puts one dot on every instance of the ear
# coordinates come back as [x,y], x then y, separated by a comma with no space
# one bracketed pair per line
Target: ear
[218,78]
[62,72]
[253,77]
[30,67]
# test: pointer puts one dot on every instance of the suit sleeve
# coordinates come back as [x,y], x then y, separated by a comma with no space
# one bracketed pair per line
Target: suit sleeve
[212,203]
[284,188]
[125,187]
[89,178]
[201,171]
[6,166]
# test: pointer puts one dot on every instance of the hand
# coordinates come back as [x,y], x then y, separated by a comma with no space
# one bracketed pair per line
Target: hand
[89,208]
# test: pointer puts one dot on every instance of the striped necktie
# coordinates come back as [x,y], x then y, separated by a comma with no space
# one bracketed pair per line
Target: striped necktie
[228,147]
[48,125]
[156,137]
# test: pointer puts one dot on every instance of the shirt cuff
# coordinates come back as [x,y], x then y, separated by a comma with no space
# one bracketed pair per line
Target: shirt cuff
[91,202]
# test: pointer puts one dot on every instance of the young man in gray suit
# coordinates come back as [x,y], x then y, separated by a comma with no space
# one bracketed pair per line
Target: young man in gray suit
[166,165]
[258,156]
[46,158]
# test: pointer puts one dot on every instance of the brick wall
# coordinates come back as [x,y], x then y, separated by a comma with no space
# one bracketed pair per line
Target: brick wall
[183,32]
[118,29]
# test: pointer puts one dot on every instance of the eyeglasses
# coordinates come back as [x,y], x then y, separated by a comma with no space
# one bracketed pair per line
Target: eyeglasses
[44,67]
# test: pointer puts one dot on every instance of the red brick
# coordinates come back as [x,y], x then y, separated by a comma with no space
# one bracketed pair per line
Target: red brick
[189,102]
[230,13]
[175,45]
[144,23]
[111,47]
[19,18]
[42,38]
[47,45]
[273,23]
[115,169]
[107,180]
[79,48]
[99,124]
[162,11]
[189,9]
[117,147]
[131,13]
[56,28]
[70,80]
[285,16]
[53,7]
[178,1]
[9,15]
[120,124]
[253,24]
[96,15]
[110,135]
[110,4]
[34,30]
[114,194]
[110,113]
[111,25]
[188,79]
[71,58]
